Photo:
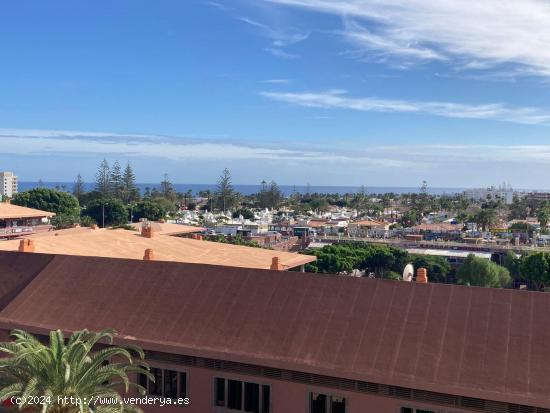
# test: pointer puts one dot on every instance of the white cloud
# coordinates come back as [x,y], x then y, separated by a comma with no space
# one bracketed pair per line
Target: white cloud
[278,81]
[331,163]
[281,53]
[337,99]
[279,37]
[482,34]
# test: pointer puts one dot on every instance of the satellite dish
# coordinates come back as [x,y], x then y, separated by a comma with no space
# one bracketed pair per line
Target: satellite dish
[408,272]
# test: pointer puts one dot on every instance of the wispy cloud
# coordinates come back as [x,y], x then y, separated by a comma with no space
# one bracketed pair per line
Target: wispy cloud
[331,163]
[473,35]
[281,53]
[338,99]
[278,81]
[279,37]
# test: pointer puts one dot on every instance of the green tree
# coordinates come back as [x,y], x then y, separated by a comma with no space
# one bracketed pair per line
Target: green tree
[512,264]
[116,181]
[69,368]
[543,215]
[130,189]
[110,211]
[246,214]
[225,193]
[150,210]
[483,273]
[103,179]
[438,268]
[536,268]
[167,189]
[61,203]
[78,187]
[486,218]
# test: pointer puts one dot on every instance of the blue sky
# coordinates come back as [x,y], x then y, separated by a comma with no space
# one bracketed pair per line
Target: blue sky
[321,91]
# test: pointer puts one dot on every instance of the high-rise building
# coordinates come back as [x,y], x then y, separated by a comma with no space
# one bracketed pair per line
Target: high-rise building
[8,184]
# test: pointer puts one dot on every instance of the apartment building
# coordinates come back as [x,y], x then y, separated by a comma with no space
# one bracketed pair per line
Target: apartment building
[250,340]
[8,184]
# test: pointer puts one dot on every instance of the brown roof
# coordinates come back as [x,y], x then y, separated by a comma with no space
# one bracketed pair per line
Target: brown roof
[122,243]
[439,227]
[168,229]
[371,223]
[17,271]
[469,341]
[317,223]
[16,211]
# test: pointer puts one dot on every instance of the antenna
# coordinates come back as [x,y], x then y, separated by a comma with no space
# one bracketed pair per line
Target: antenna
[408,273]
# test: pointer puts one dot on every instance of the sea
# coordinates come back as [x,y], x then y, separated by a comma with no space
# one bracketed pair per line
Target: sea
[252,189]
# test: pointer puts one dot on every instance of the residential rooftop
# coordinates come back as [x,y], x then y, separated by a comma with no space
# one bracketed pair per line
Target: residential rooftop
[11,211]
[121,243]
[484,343]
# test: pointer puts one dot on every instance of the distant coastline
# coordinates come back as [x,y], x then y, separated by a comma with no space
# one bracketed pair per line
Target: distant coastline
[251,189]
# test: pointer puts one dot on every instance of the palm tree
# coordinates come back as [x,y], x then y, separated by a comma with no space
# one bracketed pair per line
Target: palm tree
[69,376]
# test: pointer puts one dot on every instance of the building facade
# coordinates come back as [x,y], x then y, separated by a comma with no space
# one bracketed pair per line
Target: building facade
[8,184]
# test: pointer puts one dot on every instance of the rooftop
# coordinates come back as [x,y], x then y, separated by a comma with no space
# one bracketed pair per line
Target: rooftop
[469,341]
[120,243]
[11,211]
[163,228]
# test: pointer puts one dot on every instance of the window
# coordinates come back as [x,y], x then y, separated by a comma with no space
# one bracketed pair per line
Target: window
[413,410]
[168,383]
[242,396]
[322,403]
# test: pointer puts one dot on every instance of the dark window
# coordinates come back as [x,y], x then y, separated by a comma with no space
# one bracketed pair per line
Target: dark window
[142,381]
[252,397]
[318,403]
[424,411]
[406,410]
[234,394]
[266,398]
[182,385]
[155,388]
[337,405]
[220,392]
[242,396]
[170,384]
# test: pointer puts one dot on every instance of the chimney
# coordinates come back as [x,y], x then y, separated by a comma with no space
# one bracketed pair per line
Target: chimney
[276,264]
[26,245]
[146,230]
[422,276]
[149,255]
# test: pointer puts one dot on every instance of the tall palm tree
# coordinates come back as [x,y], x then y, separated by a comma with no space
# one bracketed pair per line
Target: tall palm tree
[33,372]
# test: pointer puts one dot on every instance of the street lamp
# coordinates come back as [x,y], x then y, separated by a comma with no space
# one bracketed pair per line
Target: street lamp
[103,212]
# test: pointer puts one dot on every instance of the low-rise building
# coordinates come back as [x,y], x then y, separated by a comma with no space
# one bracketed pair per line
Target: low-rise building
[16,220]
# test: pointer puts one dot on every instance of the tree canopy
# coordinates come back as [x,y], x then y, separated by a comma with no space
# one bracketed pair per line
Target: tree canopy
[482,273]
[111,209]
[52,200]
[65,368]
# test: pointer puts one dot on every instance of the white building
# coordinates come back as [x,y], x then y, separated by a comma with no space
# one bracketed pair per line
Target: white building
[504,192]
[8,184]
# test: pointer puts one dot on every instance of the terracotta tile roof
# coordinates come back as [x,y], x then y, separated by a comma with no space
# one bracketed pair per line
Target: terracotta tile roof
[122,243]
[16,211]
[371,223]
[475,342]
[163,228]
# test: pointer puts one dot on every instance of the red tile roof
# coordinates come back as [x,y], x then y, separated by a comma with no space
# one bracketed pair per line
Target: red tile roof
[476,342]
